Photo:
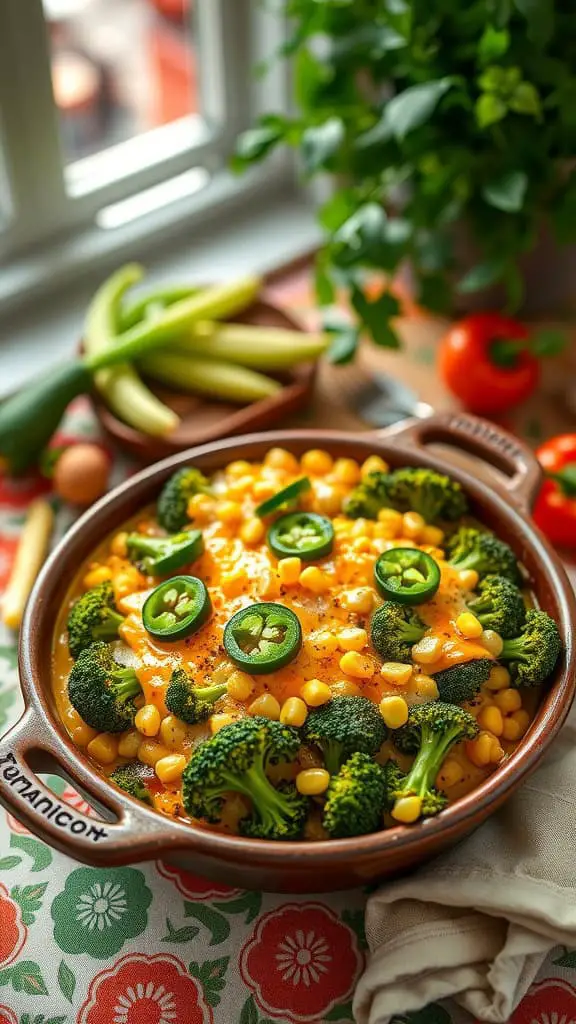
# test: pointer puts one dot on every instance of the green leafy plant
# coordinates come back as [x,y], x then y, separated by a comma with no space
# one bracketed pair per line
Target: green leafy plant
[428,116]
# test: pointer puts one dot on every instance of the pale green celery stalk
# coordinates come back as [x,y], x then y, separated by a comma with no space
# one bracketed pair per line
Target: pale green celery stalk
[262,348]
[209,377]
[212,303]
[131,313]
[121,387]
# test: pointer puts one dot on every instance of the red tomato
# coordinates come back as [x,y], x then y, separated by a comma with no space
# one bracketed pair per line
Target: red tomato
[486,374]
[555,509]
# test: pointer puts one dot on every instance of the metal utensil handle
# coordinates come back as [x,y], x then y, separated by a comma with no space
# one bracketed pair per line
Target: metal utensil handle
[521,471]
[132,837]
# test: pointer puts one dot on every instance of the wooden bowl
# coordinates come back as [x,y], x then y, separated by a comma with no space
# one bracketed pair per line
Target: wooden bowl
[205,419]
[128,831]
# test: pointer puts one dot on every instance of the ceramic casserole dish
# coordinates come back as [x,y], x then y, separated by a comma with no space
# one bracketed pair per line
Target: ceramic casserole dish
[126,831]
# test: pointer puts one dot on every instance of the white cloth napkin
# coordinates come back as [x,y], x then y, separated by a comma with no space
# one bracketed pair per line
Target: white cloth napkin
[477,923]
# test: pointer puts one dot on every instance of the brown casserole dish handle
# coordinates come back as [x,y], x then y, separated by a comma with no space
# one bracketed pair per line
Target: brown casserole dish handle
[520,472]
[136,833]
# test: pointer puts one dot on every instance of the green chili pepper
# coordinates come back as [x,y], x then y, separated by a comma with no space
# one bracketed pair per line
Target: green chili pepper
[263,637]
[287,496]
[407,575]
[301,533]
[176,608]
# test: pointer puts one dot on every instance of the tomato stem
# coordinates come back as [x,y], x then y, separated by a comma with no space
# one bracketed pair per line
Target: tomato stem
[566,479]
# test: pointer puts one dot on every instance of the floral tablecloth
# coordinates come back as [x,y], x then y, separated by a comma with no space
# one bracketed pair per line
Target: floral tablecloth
[151,944]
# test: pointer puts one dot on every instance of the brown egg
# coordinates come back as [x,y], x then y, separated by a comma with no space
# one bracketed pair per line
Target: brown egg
[81,474]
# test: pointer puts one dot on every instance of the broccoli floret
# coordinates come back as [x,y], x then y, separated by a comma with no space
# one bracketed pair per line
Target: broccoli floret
[160,556]
[433,801]
[171,510]
[461,683]
[532,655]
[431,730]
[102,691]
[394,629]
[393,780]
[236,760]
[470,548]
[355,798]
[93,617]
[343,726]
[433,495]
[132,778]
[499,606]
[368,497]
[191,704]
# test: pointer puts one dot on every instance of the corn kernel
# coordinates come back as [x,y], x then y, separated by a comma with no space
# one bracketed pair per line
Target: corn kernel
[394,711]
[490,718]
[314,579]
[129,743]
[436,553]
[312,781]
[315,693]
[511,730]
[293,712]
[522,719]
[426,686]
[432,535]
[228,511]
[496,752]
[103,748]
[396,673]
[98,574]
[264,489]
[240,685]
[147,720]
[240,488]
[407,809]
[173,732]
[493,642]
[118,545]
[316,462]
[352,638]
[200,507]
[279,458]
[170,768]
[427,650]
[362,545]
[220,720]
[508,701]
[149,752]
[468,579]
[252,531]
[412,525]
[499,678]
[479,750]
[265,705]
[327,498]
[239,468]
[373,464]
[346,471]
[345,688]
[360,600]
[469,626]
[289,570]
[392,520]
[127,582]
[450,774]
[322,643]
[362,528]
[357,665]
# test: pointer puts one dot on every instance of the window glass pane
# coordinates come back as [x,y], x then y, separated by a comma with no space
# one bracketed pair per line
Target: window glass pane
[119,68]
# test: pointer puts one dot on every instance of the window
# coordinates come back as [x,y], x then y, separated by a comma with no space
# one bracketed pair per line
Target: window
[117,121]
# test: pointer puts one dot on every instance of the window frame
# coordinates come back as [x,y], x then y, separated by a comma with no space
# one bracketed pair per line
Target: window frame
[53,234]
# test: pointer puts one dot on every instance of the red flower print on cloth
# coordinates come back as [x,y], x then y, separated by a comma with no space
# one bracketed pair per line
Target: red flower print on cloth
[7,1016]
[552,1001]
[17,492]
[193,887]
[300,962]
[67,796]
[13,931]
[141,989]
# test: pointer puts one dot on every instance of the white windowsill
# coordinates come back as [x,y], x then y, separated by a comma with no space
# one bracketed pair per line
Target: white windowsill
[256,239]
